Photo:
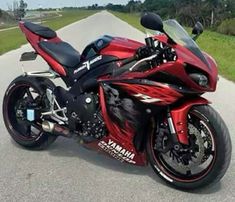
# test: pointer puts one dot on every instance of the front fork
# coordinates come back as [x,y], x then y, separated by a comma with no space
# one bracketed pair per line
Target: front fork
[178,122]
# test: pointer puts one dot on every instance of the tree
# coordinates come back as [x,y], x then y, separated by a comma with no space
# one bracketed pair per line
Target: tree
[22,9]
[0,13]
[209,12]
[165,8]
[133,6]
[19,9]
[116,7]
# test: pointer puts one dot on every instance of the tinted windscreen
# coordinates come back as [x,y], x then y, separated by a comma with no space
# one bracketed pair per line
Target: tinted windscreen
[181,37]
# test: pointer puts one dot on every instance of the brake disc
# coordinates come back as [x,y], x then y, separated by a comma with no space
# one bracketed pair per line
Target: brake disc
[195,161]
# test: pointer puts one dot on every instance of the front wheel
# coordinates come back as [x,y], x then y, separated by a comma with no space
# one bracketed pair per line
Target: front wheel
[203,162]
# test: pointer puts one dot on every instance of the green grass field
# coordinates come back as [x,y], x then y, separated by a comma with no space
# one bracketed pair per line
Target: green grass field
[219,46]
[12,39]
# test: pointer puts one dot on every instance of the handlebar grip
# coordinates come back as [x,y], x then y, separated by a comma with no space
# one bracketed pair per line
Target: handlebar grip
[120,70]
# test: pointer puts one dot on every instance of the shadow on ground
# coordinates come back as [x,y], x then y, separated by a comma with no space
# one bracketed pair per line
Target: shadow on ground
[69,148]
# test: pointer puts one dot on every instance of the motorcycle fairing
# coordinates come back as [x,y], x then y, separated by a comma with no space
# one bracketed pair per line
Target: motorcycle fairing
[119,143]
[122,130]
[90,70]
[178,69]
[150,92]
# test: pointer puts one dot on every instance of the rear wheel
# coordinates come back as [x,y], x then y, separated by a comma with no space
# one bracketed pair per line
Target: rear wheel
[22,105]
[204,161]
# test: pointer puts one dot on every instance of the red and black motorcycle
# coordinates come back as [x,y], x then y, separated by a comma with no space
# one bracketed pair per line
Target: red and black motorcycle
[137,102]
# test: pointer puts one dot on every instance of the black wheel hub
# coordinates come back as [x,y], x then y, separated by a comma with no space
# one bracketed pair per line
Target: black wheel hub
[186,153]
[36,105]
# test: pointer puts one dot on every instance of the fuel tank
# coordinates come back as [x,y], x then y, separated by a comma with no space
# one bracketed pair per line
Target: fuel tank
[118,47]
[100,58]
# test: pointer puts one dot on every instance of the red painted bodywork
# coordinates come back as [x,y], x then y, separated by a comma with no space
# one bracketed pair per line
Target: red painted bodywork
[122,137]
[167,95]
[121,48]
[164,93]
[34,39]
[179,117]
[177,68]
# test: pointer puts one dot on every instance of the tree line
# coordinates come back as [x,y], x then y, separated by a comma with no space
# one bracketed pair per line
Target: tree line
[209,12]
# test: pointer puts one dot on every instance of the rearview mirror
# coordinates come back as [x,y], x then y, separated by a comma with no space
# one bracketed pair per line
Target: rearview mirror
[152,21]
[197,29]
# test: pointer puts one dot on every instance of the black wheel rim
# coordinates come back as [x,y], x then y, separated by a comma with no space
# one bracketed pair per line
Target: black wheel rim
[24,129]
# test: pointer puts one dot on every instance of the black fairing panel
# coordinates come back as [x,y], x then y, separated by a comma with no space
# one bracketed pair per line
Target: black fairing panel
[87,81]
[90,63]
[96,46]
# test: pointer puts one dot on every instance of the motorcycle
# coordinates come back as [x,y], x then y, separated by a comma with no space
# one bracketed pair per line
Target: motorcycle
[139,103]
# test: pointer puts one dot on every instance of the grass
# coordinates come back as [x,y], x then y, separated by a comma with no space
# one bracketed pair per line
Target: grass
[12,39]
[219,46]
[9,25]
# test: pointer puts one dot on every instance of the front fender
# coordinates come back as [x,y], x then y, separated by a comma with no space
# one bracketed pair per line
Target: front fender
[179,117]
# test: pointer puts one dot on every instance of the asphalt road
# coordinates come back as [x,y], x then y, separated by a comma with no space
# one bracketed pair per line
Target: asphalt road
[68,172]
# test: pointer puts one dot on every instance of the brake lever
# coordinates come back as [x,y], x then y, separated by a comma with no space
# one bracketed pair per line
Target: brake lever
[143,60]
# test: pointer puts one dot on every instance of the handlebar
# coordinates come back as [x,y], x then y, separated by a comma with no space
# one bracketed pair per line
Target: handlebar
[119,71]
[141,53]
[129,60]
[145,53]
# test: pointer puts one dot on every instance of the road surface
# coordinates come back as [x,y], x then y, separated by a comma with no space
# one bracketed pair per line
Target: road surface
[68,172]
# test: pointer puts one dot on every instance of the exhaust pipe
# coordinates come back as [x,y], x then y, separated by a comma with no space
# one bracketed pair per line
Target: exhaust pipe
[55,129]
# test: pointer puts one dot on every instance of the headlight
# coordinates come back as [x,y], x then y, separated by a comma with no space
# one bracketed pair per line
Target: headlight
[200,79]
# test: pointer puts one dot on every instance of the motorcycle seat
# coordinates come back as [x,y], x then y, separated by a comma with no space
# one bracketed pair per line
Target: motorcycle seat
[62,52]
[39,30]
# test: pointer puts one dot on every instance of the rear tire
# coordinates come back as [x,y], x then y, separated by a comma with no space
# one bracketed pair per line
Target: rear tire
[220,163]
[43,140]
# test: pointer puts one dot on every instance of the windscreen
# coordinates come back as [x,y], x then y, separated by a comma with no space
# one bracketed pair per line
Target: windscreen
[179,35]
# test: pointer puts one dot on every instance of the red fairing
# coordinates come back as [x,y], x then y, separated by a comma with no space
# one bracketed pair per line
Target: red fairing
[119,141]
[185,56]
[213,74]
[177,68]
[179,117]
[121,48]
[34,40]
[156,93]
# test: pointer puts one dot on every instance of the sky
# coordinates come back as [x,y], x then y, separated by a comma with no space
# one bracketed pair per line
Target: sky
[60,3]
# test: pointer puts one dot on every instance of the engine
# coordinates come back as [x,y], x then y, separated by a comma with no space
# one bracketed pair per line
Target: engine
[84,114]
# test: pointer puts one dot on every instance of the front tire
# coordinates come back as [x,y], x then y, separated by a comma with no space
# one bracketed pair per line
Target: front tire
[219,156]
[28,134]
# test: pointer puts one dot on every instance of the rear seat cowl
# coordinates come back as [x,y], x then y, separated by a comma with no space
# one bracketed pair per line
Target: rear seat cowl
[44,32]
